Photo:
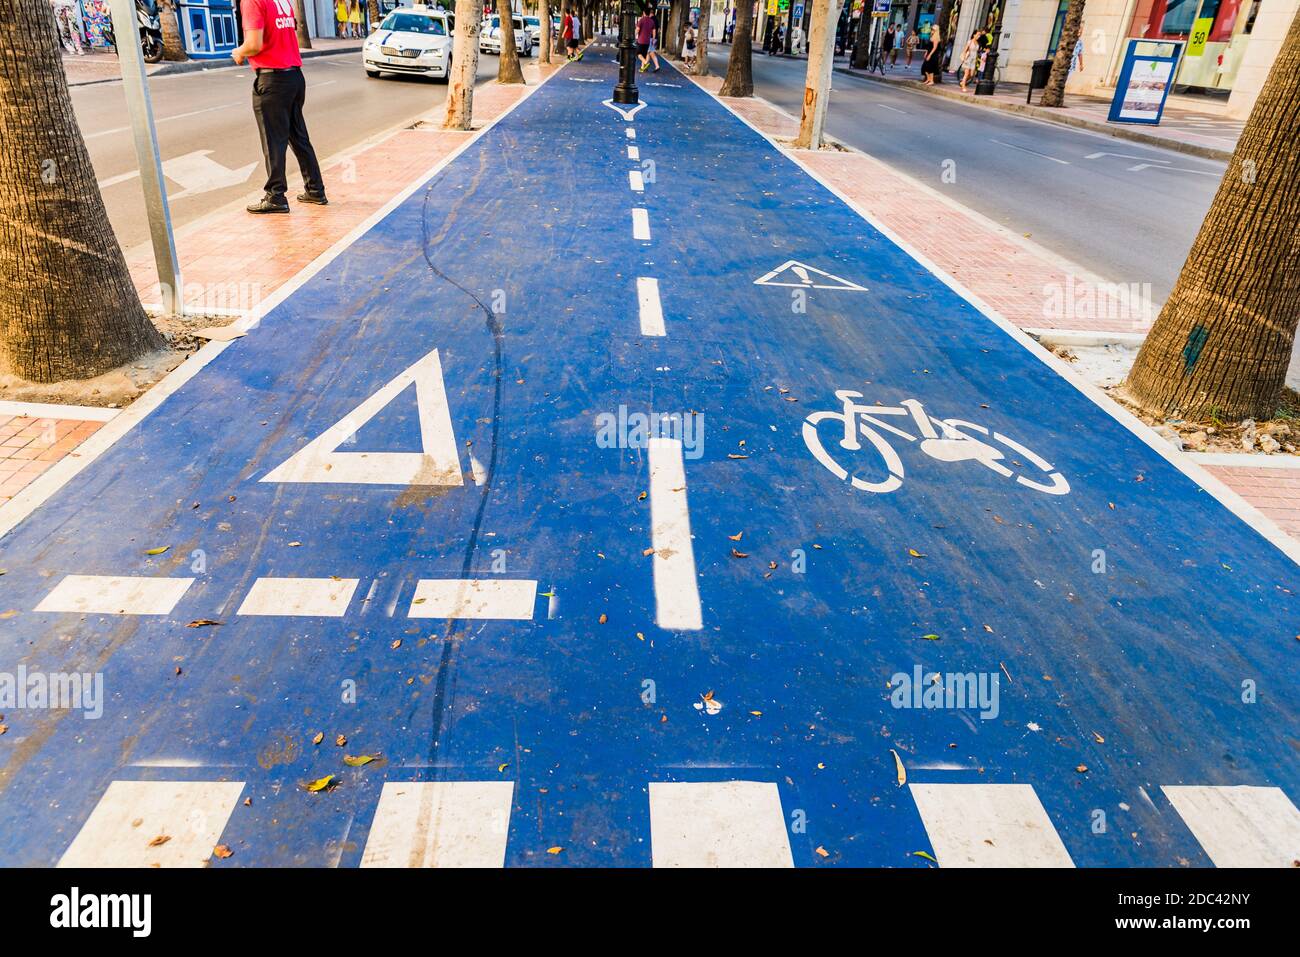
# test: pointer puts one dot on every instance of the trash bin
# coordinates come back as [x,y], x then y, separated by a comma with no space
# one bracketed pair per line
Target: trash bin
[1038,76]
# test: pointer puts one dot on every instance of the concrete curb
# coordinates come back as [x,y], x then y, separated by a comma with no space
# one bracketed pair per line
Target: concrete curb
[203,66]
[1050,116]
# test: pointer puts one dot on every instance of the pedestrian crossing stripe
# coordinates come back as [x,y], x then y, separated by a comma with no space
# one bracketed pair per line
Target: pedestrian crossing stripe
[437,465]
[692,824]
[1241,826]
[799,275]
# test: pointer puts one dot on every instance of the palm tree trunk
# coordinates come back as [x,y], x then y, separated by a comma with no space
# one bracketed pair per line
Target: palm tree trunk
[545,41]
[508,69]
[821,50]
[1224,338]
[672,47]
[740,65]
[701,40]
[372,9]
[68,308]
[464,66]
[173,46]
[1054,95]
[300,26]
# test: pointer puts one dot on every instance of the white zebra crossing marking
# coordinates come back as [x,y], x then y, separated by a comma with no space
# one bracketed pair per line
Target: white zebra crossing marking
[718,824]
[988,825]
[1240,826]
[677,591]
[440,824]
[115,595]
[494,598]
[129,824]
[315,597]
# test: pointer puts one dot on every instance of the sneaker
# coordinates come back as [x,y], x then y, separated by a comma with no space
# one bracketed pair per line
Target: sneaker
[269,204]
[316,199]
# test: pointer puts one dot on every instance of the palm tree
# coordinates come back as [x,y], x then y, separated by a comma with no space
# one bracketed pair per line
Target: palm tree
[672,45]
[1054,95]
[68,308]
[464,66]
[702,41]
[546,41]
[173,45]
[300,24]
[821,52]
[508,69]
[1224,338]
[740,66]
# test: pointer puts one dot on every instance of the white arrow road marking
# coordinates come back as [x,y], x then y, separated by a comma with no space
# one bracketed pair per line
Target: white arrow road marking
[195,172]
[805,278]
[439,463]
[626,114]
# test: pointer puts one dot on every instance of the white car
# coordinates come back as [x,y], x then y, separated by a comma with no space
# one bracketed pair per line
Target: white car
[489,38]
[410,40]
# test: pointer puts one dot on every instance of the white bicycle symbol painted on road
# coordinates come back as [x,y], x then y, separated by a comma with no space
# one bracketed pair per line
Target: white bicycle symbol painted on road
[946,440]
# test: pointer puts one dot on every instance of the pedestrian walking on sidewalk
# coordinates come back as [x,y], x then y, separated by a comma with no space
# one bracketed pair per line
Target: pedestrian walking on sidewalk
[970,59]
[341,18]
[688,46]
[931,66]
[279,90]
[646,28]
[570,36]
[354,19]
[912,40]
[887,44]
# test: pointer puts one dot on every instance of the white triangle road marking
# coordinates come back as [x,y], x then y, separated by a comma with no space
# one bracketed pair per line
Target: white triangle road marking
[806,277]
[438,464]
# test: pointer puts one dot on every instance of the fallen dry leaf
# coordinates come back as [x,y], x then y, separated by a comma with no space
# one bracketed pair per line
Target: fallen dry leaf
[222,851]
[899,770]
[204,623]
[359,761]
[320,736]
[160,840]
[158,551]
[320,784]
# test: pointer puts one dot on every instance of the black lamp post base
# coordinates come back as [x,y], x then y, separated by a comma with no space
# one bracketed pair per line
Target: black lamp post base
[626,96]
[986,85]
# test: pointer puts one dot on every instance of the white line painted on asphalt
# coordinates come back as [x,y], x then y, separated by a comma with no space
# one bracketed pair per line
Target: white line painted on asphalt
[1240,826]
[109,595]
[626,114]
[677,592]
[440,824]
[718,824]
[1032,152]
[640,224]
[988,825]
[636,180]
[168,119]
[892,109]
[1173,169]
[314,597]
[634,152]
[630,133]
[492,598]
[652,311]
[133,815]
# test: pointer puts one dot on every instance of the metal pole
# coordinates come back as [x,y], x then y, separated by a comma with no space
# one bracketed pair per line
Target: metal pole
[140,110]
[625,90]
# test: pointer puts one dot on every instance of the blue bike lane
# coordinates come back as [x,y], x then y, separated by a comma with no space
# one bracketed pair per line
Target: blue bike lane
[419,503]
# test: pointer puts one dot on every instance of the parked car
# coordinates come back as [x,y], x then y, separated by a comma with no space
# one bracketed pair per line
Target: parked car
[489,38]
[410,40]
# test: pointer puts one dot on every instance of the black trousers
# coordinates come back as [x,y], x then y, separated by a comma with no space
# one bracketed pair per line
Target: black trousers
[278,97]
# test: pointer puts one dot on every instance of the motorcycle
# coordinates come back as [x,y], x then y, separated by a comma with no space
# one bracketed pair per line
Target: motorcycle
[150,27]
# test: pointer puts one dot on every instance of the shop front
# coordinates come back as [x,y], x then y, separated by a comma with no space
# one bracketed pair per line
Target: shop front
[1217,34]
[208,28]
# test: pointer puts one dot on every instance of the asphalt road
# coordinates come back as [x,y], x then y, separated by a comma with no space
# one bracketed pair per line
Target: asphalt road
[1128,225]
[209,138]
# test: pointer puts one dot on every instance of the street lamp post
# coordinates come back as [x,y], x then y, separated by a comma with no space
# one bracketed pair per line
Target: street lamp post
[986,84]
[625,91]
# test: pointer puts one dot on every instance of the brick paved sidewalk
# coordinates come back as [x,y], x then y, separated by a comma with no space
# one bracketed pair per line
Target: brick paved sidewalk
[230,254]
[1012,276]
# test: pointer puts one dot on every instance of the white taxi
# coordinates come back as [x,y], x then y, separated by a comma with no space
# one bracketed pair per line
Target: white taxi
[410,40]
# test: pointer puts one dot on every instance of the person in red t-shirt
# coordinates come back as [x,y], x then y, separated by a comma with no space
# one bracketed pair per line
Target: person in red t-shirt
[279,90]
[570,36]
